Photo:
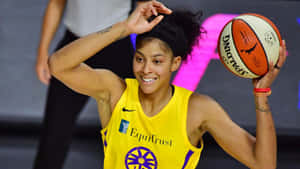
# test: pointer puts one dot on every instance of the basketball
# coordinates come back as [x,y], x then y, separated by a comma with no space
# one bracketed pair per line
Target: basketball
[247,44]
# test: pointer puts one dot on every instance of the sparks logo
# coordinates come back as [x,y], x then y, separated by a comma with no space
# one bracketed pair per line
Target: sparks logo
[140,157]
[124,126]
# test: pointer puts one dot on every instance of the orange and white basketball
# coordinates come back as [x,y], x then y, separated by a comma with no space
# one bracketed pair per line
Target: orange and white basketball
[247,44]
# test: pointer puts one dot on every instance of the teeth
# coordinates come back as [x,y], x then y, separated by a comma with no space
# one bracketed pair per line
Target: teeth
[148,80]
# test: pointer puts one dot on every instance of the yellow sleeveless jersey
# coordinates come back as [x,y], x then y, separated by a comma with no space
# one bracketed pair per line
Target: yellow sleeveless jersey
[132,140]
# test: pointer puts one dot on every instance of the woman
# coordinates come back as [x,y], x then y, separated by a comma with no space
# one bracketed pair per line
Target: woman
[148,123]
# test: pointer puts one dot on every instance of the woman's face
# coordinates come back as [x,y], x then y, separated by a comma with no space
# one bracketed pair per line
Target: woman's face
[153,65]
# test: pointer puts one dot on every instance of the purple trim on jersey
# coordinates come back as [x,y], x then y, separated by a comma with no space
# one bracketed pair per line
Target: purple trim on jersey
[299,86]
[105,143]
[187,158]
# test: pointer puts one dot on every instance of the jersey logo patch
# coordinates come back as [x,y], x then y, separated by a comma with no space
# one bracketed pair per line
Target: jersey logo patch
[123,126]
[140,158]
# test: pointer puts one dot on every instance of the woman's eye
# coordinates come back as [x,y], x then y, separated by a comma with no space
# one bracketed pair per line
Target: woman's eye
[157,61]
[139,59]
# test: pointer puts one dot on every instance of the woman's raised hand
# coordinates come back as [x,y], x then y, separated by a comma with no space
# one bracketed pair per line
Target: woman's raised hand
[267,79]
[138,22]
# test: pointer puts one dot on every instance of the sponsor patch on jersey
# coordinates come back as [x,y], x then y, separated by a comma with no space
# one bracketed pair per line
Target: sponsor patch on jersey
[123,126]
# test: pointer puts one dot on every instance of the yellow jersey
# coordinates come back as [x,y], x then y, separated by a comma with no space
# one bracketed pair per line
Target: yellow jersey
[133,140]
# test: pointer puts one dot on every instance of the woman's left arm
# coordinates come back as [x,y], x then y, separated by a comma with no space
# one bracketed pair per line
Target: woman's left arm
[266,147]
[256,153]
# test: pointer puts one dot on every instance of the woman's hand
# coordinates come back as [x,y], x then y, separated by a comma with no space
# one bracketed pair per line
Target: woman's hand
[274,69]
[138,22]
[42,69]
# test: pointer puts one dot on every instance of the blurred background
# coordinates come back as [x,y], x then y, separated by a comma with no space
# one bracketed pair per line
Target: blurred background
[22,96]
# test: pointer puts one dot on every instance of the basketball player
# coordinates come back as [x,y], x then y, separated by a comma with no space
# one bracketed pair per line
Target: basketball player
[149,123]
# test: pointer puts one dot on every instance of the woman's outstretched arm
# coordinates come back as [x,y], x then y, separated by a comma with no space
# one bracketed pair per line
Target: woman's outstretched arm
[255,152]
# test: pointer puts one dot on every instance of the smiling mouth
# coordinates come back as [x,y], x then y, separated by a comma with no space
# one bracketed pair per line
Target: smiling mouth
[148,80]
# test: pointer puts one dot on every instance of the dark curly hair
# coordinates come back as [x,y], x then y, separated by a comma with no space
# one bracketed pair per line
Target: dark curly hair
[179,30]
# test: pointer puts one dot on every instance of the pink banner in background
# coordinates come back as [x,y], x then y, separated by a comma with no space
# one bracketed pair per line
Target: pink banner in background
[191,72]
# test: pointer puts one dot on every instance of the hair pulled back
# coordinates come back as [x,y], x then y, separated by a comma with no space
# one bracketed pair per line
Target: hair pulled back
[180,31]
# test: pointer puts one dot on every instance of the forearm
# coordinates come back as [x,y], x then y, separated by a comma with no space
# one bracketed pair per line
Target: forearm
[266,145]
[51,20]
[82,49]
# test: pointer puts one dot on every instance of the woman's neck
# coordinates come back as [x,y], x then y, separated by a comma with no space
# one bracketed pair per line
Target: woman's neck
[153,103]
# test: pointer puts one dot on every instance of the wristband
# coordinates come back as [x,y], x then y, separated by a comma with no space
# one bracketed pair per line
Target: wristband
[262,93]
[262,90]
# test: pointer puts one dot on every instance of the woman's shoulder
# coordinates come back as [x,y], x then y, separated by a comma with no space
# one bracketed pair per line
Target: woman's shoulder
[197,100]
[201,106]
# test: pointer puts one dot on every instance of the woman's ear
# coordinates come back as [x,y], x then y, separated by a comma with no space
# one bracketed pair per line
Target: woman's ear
[176,63]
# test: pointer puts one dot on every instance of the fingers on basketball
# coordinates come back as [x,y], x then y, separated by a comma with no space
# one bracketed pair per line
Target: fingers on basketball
[282,54]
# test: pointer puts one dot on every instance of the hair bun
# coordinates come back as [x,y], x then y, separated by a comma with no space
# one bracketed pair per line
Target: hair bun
[190,24]
[180,30]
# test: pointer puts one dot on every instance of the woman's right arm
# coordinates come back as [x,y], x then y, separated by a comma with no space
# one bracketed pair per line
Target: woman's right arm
[67,63]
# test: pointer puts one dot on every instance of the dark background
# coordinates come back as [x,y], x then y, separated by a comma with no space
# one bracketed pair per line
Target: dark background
[22,96]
